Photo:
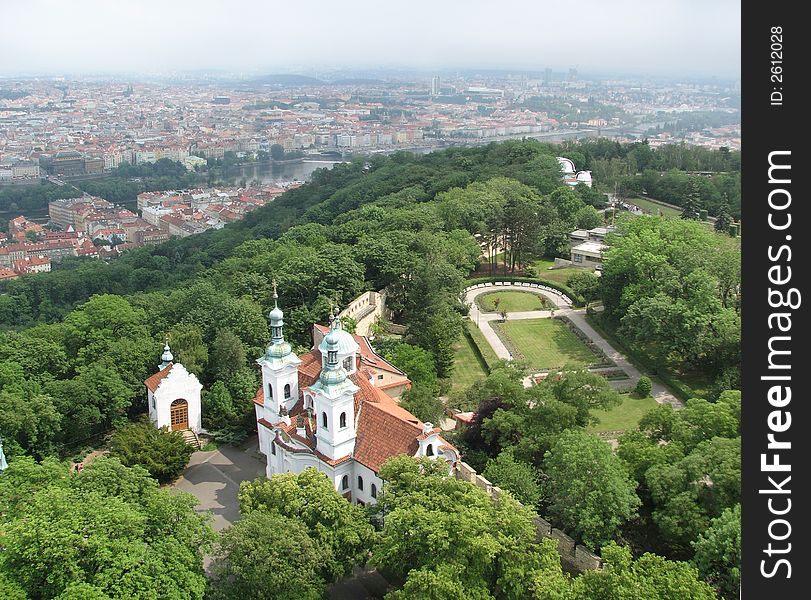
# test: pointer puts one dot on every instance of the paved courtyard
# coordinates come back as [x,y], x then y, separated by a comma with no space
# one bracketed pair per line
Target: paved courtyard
[214,478]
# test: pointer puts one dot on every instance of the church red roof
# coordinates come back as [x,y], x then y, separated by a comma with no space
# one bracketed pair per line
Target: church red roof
[155,380]
[384,428]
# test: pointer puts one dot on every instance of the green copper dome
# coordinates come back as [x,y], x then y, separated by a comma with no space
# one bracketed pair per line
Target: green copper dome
[276,316]
[278,350]
[333,372]
[333,376]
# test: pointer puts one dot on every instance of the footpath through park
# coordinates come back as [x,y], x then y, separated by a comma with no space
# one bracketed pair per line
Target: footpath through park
[564,308]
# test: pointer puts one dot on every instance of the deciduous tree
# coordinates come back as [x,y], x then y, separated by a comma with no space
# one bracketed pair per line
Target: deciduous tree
[587,488]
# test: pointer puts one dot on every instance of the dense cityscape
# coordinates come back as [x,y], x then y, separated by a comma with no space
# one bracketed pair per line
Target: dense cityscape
[69,127]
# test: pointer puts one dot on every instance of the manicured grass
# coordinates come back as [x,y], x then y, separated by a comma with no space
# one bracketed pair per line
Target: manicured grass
[512,301]
[541,266]
[468,368]
[653,208]
[544,343]
[622,417]
[557,275]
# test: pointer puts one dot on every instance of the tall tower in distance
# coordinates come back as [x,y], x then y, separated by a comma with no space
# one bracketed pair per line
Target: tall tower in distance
[435,83]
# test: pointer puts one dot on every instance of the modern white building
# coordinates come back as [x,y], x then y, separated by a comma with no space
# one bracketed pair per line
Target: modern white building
[323,410]
[588,254]
[173,395]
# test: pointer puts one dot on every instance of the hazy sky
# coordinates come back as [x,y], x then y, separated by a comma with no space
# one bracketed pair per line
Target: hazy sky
[673,37]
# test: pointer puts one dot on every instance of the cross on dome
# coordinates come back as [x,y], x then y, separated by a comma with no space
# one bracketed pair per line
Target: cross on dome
[166,357]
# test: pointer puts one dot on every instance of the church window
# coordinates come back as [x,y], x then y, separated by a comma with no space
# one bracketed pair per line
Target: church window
[273,448]
[270,391]
[348,363]
[343,420]
[360,482]
[286,391]
[430,450]
[374,491]
[345,482]
[324,420]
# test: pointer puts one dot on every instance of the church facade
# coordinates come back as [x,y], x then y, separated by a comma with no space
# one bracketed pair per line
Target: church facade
[324,410]
[173,396]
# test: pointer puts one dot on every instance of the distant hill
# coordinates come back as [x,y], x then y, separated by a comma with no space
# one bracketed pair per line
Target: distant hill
[288,79]
[358,81]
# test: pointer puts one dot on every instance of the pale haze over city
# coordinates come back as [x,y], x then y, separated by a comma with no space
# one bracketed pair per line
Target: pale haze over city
[669,37]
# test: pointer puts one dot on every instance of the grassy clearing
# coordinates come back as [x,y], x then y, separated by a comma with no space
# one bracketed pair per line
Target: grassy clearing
[623,417]
[557,275]
[654,208]
[512,301]
[490,356]
[544,343]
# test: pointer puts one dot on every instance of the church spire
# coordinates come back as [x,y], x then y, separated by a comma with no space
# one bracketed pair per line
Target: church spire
[333,371]
[277,348]
[166,357]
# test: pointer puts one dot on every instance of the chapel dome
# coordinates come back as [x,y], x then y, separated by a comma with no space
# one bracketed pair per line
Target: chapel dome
[344,341]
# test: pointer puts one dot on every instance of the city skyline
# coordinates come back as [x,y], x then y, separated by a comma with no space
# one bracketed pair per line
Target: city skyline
[668,38]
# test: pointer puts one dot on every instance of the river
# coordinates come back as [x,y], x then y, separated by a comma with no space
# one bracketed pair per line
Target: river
[278,173]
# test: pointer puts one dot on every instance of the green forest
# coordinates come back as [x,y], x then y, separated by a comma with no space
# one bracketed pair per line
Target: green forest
[77,343]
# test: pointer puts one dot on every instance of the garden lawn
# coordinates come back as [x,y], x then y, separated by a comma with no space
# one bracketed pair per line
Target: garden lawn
[543,343]
[653,208]
[557,275]
[623,417]
[512,301]
[467,367]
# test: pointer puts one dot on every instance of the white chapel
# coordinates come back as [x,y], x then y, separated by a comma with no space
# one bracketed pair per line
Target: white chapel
[173,395]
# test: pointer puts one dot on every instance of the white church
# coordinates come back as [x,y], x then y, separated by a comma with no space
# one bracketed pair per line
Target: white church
[330,409]
[173,395]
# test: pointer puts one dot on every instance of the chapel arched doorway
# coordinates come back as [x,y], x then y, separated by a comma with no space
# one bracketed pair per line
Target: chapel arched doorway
[179,415]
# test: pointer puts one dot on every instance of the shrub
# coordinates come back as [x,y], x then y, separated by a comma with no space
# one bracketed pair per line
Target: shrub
[163,453]
[643,387]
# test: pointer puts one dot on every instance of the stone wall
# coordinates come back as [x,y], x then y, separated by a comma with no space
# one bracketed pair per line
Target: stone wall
[574,558]
[366,309]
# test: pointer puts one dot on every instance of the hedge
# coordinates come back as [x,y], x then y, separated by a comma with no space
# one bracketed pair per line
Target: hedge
[577,299]
[682,392]
[476,348]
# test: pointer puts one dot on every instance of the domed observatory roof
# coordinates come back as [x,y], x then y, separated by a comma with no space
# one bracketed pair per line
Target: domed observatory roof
[346,348]
[584,177]
[567,165]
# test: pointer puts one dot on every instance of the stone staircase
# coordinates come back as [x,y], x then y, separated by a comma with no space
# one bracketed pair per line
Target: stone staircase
[191,438]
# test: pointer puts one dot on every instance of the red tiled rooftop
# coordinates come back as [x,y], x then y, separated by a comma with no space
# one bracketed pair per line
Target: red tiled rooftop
[155,380]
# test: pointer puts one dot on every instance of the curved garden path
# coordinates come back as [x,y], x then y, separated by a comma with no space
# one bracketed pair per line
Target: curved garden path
[483,319]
